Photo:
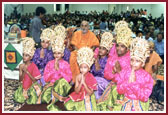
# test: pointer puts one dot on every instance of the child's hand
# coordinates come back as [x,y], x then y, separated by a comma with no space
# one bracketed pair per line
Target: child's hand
[56,64]
[117,67]
[83,79]
[97,65]
[132,77]
[25,69]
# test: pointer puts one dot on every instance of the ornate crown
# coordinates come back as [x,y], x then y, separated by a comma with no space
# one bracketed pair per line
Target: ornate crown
[120,24]
[47,34]
[57,44]
[106,40]
[28,46]
[124,36]
[60,30]
[151,44]
[139,49]
[85,55]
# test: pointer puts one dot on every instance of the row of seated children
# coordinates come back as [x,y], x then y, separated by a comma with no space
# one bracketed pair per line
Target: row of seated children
[115,77]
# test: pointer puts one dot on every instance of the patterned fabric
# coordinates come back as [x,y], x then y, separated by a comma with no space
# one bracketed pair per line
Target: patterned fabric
[123,60]
[51,74]
[29,96]
[11,57]
[41,62]
[67,54]
[107,101]
[126,104]
[87,104]
[60,89]
[99,75]
[90,82]
[141,89]
[34,71]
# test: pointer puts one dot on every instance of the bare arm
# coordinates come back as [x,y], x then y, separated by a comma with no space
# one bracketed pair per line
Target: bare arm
[78,84]
[21,73]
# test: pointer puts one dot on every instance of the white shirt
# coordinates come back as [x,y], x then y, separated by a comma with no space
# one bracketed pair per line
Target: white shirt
[6,28]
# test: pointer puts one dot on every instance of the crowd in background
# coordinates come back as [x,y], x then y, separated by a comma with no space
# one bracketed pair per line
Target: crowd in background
[138,20]
[141,24]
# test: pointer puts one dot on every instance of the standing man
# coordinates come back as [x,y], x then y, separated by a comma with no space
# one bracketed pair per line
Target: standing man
[159,46]
[37,26]
[81,38]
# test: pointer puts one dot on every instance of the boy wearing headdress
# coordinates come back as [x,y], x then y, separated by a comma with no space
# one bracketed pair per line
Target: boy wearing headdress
[30,90]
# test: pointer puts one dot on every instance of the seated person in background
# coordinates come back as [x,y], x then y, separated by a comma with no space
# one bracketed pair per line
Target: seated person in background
[159,46]
[81,38]
[152,62]
[147,36]
[6,28]
[30,90]
[139,33]
[43,55]
[134,84]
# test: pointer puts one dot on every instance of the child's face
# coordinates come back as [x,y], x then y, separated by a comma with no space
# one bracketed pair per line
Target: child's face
[84,68]
[136,64]
[45,44]
[26,57]
[102,51]
[58,55]
[121,49]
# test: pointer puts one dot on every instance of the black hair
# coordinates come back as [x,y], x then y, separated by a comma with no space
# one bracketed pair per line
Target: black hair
[40,10]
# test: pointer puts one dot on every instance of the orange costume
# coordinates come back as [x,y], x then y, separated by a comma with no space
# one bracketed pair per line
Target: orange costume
[153,60]
[80,40]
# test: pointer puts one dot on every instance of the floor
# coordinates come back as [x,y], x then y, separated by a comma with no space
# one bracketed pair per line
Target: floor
[11,85]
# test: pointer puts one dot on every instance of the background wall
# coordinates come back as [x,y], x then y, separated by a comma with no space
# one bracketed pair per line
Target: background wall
[88,7]
[30,8]
[155,9]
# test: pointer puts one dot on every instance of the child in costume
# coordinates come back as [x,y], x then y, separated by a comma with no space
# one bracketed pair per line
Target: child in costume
[57,75]
[83,98]
[43,55]
[115,63]
[61,31]
[98,67]
[30,90]
[134,83]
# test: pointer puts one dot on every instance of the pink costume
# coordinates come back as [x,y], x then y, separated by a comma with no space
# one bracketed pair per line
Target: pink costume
[141,89]
[33,70]
[91,83]
[51,74]
[123,60]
